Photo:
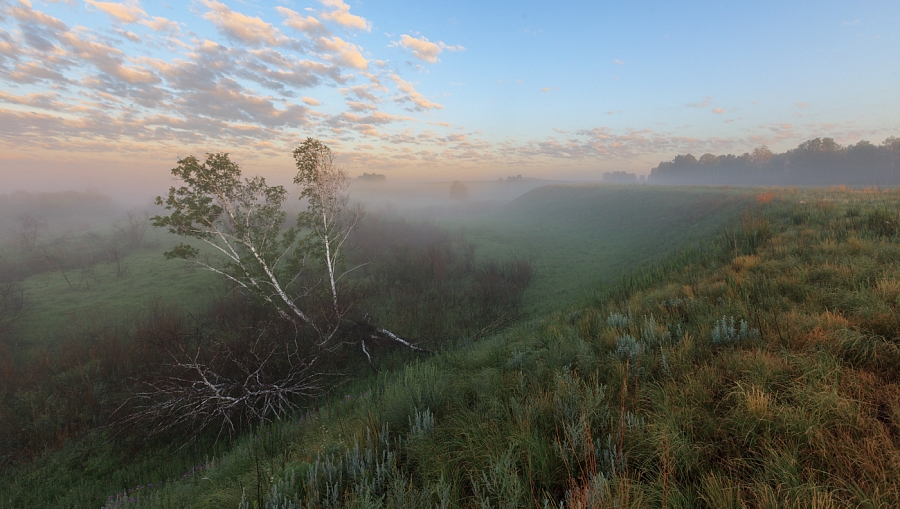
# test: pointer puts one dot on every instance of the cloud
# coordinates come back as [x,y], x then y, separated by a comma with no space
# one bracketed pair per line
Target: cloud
[131,36]
[239,27]
[38,30]
[305,24]
[409,95]
[364,92]
[545,89]
[341,15]
[129,12]
[718,111]
[75,53]
[618,62]
[45,101]
[376,118]
[801,105]
[361,106]
[107,59]
[343,52]
[703,104]
[33,72]
[242,90]
[230,101]
[24,13]
[423,49]
[161,24]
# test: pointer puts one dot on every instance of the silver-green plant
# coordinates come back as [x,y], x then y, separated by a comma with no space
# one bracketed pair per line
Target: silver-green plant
[367,467]
[650,332]
[591,495]
[664,365]
[628,348]
[727,331]
[421,424]
[618,320]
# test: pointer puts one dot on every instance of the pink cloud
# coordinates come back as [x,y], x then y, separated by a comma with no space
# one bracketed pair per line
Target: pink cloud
[408,94]
[423,49]
[341,15]
[129,12]
[240,27]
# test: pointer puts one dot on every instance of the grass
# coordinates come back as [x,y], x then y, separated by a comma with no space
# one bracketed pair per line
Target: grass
[98,294]
[577,237]
[626,399]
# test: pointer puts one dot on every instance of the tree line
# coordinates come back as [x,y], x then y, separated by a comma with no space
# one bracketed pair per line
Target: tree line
[815,162]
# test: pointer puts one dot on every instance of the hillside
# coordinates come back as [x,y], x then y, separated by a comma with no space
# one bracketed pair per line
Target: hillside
[578,237]
[756,369]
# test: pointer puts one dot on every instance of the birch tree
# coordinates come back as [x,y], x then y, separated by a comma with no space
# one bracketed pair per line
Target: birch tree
[329,219]
[245,236]
[240,222]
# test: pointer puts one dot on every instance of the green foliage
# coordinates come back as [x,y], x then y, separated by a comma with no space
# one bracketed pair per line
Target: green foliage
[241,220]
[628,348]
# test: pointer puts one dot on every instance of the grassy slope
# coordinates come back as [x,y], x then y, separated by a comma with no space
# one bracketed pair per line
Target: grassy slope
[579,236]
[802,411]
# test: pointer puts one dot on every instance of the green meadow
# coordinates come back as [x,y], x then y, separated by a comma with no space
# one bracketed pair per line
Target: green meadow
[679,347]
[100,296]
[578,237]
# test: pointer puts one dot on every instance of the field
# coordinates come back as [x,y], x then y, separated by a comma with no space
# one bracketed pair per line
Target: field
[579,237]
[681,348]
[98,296]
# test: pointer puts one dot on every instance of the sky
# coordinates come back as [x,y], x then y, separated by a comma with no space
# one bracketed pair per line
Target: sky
[108,96]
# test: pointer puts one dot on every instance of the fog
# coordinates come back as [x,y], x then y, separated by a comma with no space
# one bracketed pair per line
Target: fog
[53,214]
[435,200]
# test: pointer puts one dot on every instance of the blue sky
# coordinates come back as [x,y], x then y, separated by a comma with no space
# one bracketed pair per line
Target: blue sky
[111,93]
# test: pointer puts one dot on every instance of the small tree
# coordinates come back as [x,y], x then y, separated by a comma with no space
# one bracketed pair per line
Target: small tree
[132,230]
[26,234]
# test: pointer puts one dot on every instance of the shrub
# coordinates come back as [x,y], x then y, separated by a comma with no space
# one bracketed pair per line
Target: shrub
[628,348]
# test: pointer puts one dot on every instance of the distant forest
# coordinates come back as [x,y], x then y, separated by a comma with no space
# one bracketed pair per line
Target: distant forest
[816,162]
